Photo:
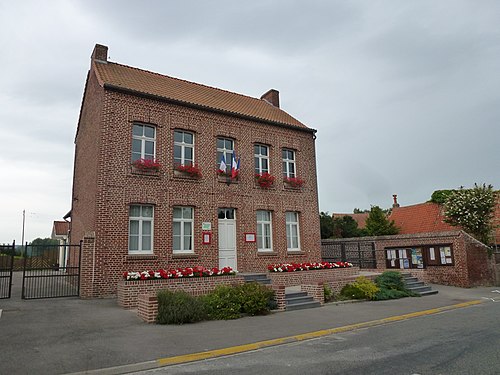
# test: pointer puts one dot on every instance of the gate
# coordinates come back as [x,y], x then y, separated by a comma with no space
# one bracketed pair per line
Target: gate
[7,253]
[359,253]
[51,271]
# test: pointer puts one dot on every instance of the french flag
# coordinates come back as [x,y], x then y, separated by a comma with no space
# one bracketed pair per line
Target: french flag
[235,167]
[223,165]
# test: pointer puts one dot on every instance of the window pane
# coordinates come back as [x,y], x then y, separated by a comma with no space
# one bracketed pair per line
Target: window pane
[263,150]
[288,240]
[146,228]
[187,243]
[147,211]
[137,130]
[229,144]
[135,211]
[150,148]
[177,213]
[221,214]
[133,243]
[265,167]
[187,229]
[136,145]
[134,227]
[149,131]
[220,143]
[259,242]
[177,152]
[187,212]
[177,136]
[146,243]
[294,231]
[256,150]
[230,214]
[177,243]
[257,166]
[259,230]
[291,169]
[177,229]
[267,230]
[188,138]
[189,153]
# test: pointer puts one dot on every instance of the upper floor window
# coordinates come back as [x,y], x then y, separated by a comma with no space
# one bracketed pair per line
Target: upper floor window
[183,230]
[289,169]
[264,231]
[143,142]
[183,148]
[292,231]
[225,148]
[140,233]
[261,157]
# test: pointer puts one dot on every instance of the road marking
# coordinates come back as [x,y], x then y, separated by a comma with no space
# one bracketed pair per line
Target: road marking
[305,336]
[0,313]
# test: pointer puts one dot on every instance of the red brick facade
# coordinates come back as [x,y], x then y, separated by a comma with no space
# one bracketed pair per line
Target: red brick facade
[105,185]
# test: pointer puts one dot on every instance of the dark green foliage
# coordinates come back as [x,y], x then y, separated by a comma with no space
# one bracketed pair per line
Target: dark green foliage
[326,225]
[359,211]
[179,308]
[223,303]
[328,292]
[255,298]
[350,291]
[391,286]
[345,227]
[362,288]
[377,223]
[440,196]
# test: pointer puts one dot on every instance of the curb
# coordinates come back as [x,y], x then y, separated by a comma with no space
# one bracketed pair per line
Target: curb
[185,358]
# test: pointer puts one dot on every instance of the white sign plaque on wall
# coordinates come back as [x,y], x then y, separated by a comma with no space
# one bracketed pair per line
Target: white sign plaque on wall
[206,226]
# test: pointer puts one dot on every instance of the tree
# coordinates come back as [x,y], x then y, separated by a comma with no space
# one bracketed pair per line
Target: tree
[377,223]
[359,211]
[345,227]
[472,210]
[326,225]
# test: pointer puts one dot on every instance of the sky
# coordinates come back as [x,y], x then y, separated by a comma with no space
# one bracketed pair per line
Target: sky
[405,95]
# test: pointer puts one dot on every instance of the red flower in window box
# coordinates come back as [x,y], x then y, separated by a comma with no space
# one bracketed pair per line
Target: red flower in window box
[265,180]
[294,181]
[191,170]
[146,165]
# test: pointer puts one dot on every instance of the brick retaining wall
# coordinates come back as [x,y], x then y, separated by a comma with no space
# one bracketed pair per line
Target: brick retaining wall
[312,276]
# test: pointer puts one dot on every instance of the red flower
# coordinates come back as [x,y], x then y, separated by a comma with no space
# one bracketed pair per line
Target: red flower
[146,164]
[265,180]
[191,170]
[294,181]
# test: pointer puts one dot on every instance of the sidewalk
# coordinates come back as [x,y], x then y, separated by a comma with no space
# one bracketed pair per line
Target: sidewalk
[57,336]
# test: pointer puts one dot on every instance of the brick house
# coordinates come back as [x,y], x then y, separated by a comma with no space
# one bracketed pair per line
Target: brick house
[133,218]
[60,230]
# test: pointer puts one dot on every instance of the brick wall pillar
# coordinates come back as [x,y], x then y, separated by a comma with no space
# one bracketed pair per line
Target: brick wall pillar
[316,291]
[279,293]
[86,266]
[147,307]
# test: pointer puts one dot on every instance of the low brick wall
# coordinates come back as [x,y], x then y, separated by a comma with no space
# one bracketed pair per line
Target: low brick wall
[316,291]
[128,291]
[147,307]
[313,276]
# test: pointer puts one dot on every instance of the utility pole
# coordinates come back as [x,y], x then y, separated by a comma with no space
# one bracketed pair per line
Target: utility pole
[22,240]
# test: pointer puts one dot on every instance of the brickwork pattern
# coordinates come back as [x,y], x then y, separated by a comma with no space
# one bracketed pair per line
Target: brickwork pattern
[128,291]
[316,291]
[105,186]
[147,307]
[311,277]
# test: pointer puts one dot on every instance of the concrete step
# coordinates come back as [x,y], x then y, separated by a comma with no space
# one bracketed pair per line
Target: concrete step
[257,277]
[303,305]
[414,284]
[299,301]
[428,293]
[295,300]
[420,289]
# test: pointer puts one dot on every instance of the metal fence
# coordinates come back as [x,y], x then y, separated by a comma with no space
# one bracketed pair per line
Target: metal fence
[6,268]
[359,253]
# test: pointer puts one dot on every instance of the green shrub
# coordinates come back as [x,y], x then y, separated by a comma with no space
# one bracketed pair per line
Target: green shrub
[328,292]
[362,288]
[179,308]
[391,286]
[255,298]
[223,303]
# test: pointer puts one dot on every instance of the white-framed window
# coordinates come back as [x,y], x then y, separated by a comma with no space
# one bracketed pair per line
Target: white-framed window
[183,239]
[289,169]
[225,147]
[140,229]
[292,231]
[261,157]
[183,148]
[143,142]
[264,231]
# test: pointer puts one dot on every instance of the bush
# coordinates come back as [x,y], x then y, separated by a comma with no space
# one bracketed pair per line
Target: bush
[223,303]
[362,288]
[255,298]
[391,286]
[179,308]
[328,292]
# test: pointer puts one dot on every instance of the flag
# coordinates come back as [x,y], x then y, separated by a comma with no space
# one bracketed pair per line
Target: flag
[235,166]
[223,165]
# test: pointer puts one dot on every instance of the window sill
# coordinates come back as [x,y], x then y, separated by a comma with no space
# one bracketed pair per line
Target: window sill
[185,176]
[185,256]
[227,180]
[296,252]
[139,172]
[137,257]
[267,254]
[292,188]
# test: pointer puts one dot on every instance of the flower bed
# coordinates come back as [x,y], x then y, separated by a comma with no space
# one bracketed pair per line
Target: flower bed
[190,170]
[295,182]
[197,271]
[265,180]
[146,165]
[294,267]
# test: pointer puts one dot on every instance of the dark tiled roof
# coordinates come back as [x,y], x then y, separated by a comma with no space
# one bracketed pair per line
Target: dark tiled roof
[113,75]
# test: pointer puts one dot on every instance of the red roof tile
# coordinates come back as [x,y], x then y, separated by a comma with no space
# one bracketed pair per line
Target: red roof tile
[61,228]
[113,75]
[420,218]
[359,218]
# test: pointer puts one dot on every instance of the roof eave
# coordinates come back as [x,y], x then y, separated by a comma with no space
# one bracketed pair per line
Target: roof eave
[111,87]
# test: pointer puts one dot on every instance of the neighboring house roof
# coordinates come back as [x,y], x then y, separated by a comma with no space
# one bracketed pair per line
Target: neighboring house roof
[359,218]
[136,81]
[420,218]
[60,228]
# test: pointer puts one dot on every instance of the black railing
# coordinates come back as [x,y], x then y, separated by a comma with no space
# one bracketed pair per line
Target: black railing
[51,271]
[7,253]
[359,253]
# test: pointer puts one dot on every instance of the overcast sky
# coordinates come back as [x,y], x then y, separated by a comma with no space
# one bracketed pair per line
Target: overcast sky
[405,95]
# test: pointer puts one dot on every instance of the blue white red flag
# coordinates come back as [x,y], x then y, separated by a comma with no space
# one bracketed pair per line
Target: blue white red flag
[223,165]
[235,166]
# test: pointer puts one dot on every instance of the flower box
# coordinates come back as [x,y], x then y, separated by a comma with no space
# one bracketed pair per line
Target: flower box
[177,273]
[294,182]
[146,165]
[189,170]
[307,266]
[265,180]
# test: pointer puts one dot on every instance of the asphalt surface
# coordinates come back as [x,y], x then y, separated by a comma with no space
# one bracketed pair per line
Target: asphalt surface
[58,336]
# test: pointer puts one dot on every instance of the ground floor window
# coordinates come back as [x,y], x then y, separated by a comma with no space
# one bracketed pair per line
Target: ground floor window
[140,238]
[292,231]
[264,231]
[183,239]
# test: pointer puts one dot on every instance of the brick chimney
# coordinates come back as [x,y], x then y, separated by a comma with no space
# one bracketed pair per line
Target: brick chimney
[272,97]
[395,198]
[100,54]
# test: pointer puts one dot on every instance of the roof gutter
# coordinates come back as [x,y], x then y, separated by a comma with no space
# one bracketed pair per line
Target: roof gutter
[206,108]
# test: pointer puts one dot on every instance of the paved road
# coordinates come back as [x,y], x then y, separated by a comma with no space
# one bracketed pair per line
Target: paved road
[463,341]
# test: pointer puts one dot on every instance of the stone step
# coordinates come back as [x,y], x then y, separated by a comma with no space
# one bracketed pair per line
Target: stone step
[295,300]
[303,305]
[414,284]
[420,289]
[428,293]
[257,277]
[299,300]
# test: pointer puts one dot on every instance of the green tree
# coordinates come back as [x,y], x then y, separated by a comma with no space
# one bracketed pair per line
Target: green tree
[440,196]
[345,227]
[326,225]
[377,223]
[360,211]
[472,210]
